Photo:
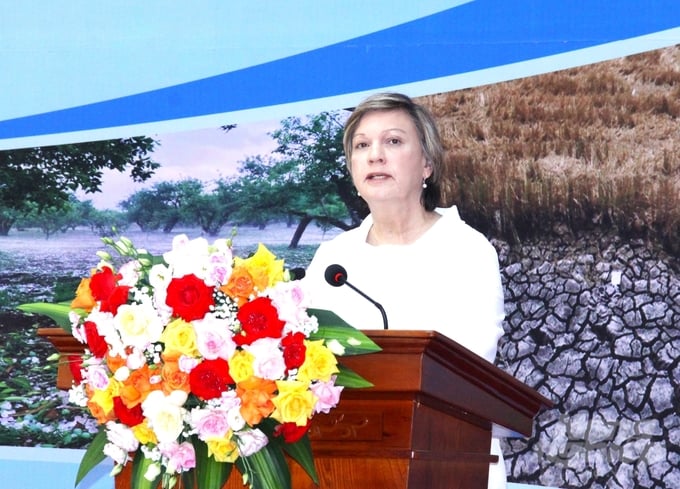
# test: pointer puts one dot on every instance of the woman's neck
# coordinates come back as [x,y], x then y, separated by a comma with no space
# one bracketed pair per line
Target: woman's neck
[399,226]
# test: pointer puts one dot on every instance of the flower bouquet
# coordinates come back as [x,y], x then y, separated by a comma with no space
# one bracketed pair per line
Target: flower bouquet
[198,361]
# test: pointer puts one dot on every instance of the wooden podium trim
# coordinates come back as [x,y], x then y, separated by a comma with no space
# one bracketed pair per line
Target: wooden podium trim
[439,369]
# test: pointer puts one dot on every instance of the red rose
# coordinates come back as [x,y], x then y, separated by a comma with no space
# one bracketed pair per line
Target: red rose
[130,417]
[75,365]
[294,350]
[105,289]
[95,342]
[189,297]
[210,378]
[102,283]
[259,319]
[291,432]
[118,297]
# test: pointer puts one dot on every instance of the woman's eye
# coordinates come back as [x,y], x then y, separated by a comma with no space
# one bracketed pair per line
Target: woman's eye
[394,141]
[360,145]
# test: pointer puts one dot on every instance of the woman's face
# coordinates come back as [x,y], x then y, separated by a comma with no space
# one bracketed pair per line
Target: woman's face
[388,163]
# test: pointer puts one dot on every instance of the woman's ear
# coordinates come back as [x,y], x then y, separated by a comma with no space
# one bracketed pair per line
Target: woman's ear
[427,170]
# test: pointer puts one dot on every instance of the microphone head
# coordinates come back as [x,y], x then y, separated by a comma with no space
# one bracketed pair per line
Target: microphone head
[336,275]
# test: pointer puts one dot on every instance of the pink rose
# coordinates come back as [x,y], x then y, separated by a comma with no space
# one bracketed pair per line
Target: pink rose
[327,393]
[213,338]
[181,456]
[268,360]
[290,301]
[210,423]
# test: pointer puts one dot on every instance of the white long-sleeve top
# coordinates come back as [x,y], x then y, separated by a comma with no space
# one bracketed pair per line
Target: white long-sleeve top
[447,281]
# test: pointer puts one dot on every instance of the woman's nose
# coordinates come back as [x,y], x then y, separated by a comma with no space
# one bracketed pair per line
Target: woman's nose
[375,153]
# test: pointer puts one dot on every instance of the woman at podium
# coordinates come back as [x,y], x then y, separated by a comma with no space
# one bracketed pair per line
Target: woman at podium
[414,264]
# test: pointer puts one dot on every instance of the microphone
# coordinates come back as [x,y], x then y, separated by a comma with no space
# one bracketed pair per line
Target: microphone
[336,275]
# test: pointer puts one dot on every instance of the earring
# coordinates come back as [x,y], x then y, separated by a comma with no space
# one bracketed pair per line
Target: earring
[424,183]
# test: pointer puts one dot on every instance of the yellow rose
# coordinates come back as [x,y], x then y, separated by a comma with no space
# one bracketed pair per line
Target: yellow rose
[294,403]
[180,337]
[263,266]
[241,366]
[223,449]
[144,434]
[319,364]
[103,398]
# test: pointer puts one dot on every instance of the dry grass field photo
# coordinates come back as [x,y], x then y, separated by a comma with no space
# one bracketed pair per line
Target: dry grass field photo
[591,146]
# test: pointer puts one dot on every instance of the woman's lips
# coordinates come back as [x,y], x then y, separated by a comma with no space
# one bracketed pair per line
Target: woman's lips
[377,176]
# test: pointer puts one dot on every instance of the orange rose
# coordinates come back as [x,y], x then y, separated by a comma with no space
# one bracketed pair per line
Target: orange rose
[114,363]
[137,386]
[256,399]
[84,299]
[173,378]
[240,285]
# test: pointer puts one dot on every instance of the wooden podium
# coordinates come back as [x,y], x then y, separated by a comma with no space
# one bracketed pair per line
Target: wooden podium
[426,423]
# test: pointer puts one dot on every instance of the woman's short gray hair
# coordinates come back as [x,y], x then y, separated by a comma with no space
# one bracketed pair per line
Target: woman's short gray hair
[430,141]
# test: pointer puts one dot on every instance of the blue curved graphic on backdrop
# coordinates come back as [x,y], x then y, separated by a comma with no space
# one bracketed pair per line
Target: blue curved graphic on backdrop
[474,36]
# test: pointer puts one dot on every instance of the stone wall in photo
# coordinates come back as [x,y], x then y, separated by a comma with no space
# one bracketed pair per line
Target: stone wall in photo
[593,323]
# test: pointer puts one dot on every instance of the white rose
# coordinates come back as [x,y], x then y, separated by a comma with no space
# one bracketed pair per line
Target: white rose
[77,396]
[235,419]
[121,436]
[138,325]
[165,414]
[130,273]
[117,454]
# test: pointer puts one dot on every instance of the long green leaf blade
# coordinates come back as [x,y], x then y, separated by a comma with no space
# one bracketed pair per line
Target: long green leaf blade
[350,379]
[57,312]
[353,341]
[140,465]
[301,452]
[210,474]
[266,468]
[94,455]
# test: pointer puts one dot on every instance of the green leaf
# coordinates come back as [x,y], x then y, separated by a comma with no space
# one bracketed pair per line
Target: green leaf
[351,379]
[140,465]
[327,317]
[189,480]
[57,312]
[301,452]
[332,327]
[93,456]
[266,469]
[210,474]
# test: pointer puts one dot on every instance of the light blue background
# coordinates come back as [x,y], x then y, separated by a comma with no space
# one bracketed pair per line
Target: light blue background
[77,70]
